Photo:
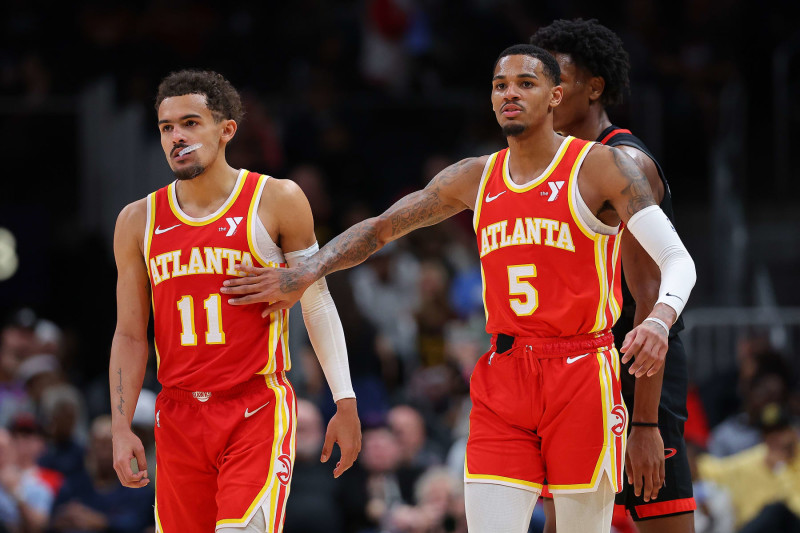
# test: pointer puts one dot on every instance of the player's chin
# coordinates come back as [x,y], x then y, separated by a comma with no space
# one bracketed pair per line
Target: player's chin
[513,128]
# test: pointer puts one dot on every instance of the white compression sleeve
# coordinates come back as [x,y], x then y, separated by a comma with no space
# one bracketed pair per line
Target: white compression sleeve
[658,237]
[325,330]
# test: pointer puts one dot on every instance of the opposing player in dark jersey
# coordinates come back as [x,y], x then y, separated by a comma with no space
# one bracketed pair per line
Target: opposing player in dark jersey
[594,75]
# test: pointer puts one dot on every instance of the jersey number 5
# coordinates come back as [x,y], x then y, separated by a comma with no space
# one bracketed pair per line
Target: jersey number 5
[522,288]
[214,333]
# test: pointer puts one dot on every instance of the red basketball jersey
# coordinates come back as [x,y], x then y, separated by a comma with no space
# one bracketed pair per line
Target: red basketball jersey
[202,342]
[545,272]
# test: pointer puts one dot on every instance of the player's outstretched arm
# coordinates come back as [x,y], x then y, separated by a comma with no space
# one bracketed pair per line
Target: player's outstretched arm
[450,192]
[611,180]
[289,212]
[129,346]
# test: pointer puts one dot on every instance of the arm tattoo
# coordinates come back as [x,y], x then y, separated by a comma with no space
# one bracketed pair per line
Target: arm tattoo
[119,391]
[418,209]
[638,190]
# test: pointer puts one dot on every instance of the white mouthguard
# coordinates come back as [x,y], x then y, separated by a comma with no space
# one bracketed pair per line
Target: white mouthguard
[189,149]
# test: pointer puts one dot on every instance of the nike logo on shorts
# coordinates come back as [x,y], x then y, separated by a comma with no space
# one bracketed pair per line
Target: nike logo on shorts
[248,414]
[571,360]
[490,198]
[159,231]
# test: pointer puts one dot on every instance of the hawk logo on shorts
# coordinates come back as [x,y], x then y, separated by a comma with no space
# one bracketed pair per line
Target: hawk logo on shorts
[283,469]
[618,421]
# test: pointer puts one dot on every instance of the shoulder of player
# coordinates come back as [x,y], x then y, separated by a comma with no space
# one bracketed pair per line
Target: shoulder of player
[132,221]
[646,165]
[602,159]
[282,195]
[133,215]
[466,173]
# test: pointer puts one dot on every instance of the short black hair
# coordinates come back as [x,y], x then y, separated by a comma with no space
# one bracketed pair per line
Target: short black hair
[549,63]
[593,47]
[222,98]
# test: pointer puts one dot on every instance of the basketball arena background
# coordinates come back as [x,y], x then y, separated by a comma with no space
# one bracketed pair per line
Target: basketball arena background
[360,102]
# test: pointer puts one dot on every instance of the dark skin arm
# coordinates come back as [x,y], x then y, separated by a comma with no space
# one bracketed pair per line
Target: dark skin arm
[449,192]
[644,458]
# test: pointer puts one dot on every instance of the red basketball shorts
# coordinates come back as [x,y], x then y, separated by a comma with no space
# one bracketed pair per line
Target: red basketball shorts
[223,456]
[548,410]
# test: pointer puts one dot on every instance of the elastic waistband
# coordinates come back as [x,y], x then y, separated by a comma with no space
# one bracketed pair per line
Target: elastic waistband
[553,347]
[255,383]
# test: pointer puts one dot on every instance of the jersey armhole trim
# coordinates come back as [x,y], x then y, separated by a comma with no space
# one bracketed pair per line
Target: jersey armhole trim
[148,229]
[487,172]
[254,223]
[589,224]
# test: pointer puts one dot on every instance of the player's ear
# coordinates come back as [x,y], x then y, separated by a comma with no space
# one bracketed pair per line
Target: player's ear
[229,128]
[596,85]
[556,96]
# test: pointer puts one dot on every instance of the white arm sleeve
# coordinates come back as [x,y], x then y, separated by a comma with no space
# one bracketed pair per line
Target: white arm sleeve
[658,237]
[324,330]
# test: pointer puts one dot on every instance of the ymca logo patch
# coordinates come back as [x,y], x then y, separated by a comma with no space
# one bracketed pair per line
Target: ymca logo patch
[283,469]
[618,420]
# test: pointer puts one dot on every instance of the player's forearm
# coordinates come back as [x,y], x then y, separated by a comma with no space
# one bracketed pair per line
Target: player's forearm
[416,210]
[348,249]
[126,374]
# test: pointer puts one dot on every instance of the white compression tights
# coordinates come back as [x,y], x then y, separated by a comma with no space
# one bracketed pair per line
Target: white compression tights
[502,509]
[256,525]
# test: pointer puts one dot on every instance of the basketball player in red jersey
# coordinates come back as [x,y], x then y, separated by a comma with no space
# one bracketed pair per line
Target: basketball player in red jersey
[594,75]
[225,419]
[546,397]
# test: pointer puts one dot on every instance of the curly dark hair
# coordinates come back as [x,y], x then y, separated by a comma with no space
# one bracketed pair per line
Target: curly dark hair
[221,97]
[549,64]
[593,47]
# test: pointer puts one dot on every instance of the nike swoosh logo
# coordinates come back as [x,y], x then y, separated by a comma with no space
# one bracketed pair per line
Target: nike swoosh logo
[571,360]
[248,414]
[490,198]
[676,296]
[159,231]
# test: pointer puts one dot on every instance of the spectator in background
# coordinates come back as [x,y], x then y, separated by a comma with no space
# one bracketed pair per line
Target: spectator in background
[26,491]
[62,411]
[433,312]
[439,508]
[741,431]
[17,343]
[763,481]
[96,501]
[313,488]
[386,292]
[714,513]
[416,452]
[380,458]
[37,373]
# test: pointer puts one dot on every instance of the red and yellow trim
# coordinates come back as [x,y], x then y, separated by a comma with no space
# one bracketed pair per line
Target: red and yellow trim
[272,496]
[612,456]
[173,202]
[513,187]
[487,173]
[500,480]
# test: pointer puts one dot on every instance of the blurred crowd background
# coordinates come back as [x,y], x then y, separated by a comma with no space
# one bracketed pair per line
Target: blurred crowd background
[360,102]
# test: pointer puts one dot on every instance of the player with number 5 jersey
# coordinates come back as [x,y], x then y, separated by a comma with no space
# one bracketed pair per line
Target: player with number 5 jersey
[546,404]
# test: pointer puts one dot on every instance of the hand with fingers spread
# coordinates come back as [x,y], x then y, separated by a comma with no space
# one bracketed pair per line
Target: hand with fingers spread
[647,344]
[344,429]
[126,447]
[644,461]
[280,288]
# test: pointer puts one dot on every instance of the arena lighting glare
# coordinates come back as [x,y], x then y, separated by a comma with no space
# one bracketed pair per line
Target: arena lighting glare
[8,254]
